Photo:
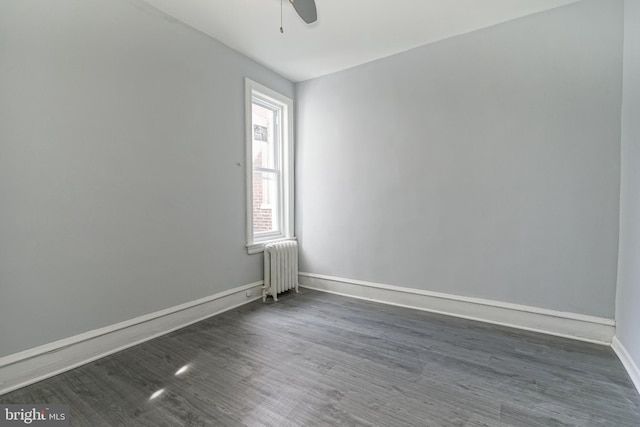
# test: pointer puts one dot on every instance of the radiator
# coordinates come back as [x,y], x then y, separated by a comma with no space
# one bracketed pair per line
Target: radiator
[280,268]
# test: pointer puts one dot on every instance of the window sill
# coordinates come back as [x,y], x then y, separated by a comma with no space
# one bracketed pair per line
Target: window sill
[258,247]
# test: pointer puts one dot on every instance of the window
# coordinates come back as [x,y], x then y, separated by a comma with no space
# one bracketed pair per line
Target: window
[269,117]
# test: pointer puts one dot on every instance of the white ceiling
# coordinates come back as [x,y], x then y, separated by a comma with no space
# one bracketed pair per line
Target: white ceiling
[347,33]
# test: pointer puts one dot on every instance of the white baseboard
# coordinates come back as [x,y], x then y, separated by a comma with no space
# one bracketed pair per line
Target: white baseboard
[33,365]
[627,361]
[36,364]
[569,325]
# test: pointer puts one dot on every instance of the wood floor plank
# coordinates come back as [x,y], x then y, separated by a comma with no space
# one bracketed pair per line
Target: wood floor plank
[324,360]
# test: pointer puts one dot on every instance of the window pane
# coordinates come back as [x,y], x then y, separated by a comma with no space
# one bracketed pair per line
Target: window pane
[265,202]
[264,136]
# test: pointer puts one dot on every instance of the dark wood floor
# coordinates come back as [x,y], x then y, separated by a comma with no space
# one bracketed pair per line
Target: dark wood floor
[322,359]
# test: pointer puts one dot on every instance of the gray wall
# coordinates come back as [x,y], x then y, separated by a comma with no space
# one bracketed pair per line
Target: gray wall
[628,298]
[486,165]
[120,192]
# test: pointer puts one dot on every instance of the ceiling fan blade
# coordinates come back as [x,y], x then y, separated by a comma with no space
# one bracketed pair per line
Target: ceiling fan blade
[306,9]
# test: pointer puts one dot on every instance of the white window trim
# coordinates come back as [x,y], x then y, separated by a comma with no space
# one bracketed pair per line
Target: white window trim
[286,161]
